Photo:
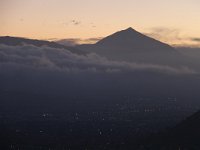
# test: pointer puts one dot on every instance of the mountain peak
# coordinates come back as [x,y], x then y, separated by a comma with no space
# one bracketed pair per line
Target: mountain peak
[131,45]
[129,38]
[130,29]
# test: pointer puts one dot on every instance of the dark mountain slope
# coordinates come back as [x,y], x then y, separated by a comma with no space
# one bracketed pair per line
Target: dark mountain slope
[130,45]
[17,41]
[186,136]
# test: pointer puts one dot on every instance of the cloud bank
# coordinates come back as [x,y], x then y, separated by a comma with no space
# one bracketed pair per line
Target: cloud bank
[61,60]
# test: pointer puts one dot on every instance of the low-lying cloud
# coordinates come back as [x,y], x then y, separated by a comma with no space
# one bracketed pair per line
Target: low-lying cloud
[53,59]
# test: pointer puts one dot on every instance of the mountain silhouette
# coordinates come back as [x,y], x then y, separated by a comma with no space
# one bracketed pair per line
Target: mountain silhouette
[17,41]
[127,45]
[131,39]
[133,46]
[184,135]
[187,133]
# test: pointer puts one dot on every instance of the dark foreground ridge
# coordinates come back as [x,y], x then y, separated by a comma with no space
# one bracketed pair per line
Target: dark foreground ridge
[185,136]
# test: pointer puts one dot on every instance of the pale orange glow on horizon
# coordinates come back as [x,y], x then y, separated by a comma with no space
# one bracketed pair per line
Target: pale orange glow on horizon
[61,19]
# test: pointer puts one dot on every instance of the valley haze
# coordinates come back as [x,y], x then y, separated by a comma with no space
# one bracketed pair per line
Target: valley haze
[117,92]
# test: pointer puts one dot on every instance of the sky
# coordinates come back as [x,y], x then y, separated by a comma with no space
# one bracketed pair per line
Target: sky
[171,21]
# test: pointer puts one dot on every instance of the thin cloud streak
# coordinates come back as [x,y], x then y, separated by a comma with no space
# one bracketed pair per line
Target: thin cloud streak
[77,41]
[173,36]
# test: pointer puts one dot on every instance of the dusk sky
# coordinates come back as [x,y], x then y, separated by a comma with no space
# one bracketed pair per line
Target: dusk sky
[174,21]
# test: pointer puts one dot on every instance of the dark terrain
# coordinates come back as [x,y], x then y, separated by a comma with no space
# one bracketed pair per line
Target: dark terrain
[127,91]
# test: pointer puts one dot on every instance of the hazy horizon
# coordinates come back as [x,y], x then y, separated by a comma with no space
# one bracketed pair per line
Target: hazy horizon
[190,43]
[174,22]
